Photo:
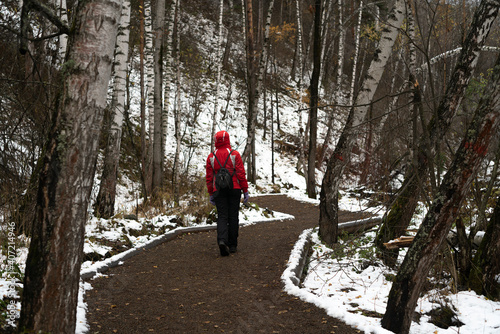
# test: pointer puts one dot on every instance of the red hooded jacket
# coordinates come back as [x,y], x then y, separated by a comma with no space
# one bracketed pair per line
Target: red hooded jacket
[222,149]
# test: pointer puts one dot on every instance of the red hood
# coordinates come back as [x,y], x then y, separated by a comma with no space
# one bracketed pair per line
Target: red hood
[222,139]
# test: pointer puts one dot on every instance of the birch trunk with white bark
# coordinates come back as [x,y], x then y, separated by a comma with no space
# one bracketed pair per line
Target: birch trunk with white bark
[158,33]
[340,158]
[301,163]
[52,275]
[177,111]
[325,28]
[356,53]
[142,88]
[105,203]
[338,96]
[149,92]
[171,48]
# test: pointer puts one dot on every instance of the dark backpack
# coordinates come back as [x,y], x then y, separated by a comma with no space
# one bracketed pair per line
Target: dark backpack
[223,179]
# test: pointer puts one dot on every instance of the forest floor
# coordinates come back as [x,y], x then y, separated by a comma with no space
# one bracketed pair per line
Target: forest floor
[185,286]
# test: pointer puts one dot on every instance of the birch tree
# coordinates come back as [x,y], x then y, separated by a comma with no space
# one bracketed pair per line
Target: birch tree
[325,28]
[158,33]
[52,273]
[301,161]
[177,110]
[328,221]
[356,53]
[148,26]
[338,95]
[105,202]
[142,88]
[482,136]
[402,209]
[170,48]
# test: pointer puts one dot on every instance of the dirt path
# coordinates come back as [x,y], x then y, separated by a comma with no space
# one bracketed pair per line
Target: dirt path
[185,286]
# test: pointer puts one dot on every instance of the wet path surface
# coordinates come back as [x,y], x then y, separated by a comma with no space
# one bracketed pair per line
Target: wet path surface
[185,286]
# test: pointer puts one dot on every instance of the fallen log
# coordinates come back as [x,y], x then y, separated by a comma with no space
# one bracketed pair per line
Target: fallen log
[359,225]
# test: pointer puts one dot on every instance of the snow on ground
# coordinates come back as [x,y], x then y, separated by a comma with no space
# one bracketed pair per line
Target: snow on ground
[349,288]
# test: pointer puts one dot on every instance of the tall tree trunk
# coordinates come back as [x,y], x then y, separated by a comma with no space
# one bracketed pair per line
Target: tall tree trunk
[481,136]
[170,50]
[52,273]
[149,92]
[328,221]
[177,112]
[105,203]
[158,32]
[357,38]
[325,28]
[144,166]
[338,88]
[251,72]
[255,76]
[301,160]
[402,209]
[313,111]
[297,57]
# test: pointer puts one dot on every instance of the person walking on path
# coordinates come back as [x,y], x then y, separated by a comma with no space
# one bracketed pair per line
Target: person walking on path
[226,198]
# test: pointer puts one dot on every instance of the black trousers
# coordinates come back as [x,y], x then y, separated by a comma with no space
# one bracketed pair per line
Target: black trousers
[228,207]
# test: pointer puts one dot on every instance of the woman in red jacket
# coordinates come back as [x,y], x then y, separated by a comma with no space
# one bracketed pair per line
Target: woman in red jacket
[226,200]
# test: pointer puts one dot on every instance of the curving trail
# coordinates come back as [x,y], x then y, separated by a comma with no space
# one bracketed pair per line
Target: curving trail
[185,286]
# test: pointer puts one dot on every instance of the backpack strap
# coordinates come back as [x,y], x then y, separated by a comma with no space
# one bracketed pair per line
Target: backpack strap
[232,159]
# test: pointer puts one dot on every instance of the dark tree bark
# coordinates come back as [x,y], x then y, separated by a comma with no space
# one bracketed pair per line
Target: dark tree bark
[464,255]
[313,111]
[486,267]
[404,206]
[251,60]
[481,136]
[255,75]
[52,274]
[144,152]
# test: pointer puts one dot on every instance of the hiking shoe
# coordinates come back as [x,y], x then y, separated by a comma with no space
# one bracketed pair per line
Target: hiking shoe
[232,249]
[224,250]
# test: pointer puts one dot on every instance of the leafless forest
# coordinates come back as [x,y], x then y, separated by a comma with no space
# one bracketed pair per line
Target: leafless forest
[399,98]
